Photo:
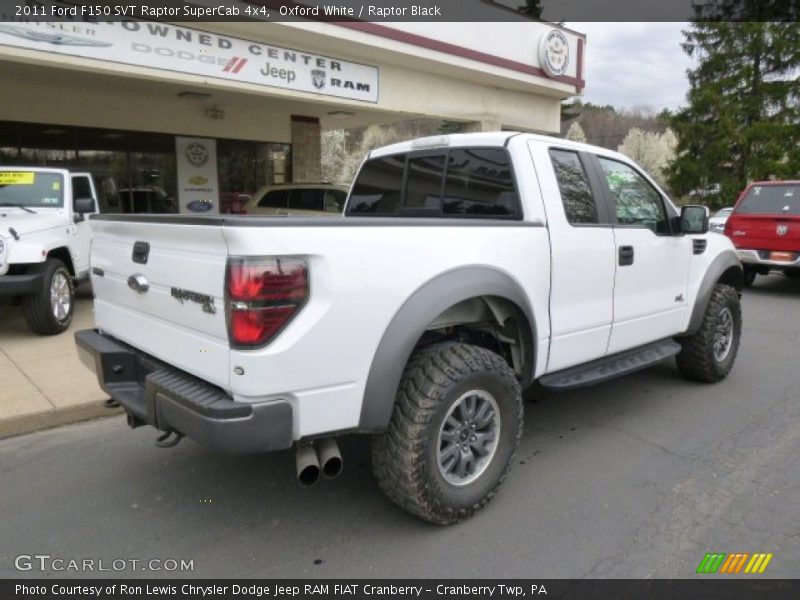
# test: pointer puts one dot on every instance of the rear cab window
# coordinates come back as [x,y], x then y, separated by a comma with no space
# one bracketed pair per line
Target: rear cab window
[772,199]
[378,189]
[451,183]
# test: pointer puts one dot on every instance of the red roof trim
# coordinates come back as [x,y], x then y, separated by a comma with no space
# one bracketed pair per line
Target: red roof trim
[460,51]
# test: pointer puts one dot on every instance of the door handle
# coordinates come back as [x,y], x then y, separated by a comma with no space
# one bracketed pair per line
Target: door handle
[625,256]
[141,252]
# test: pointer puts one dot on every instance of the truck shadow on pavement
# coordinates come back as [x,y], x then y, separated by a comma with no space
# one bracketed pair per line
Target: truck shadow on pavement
[774,285]
[236,510]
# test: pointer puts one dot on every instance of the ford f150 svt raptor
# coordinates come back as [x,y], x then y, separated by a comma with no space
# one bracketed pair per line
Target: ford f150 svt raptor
[466,268]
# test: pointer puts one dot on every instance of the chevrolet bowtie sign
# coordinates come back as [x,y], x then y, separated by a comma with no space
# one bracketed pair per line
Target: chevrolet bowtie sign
[186,50]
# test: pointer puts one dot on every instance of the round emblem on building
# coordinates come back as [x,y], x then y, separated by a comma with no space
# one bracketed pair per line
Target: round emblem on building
[554,53]
[196,154]
[199,205]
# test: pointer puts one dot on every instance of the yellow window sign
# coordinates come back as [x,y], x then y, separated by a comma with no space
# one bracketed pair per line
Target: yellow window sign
[16,177]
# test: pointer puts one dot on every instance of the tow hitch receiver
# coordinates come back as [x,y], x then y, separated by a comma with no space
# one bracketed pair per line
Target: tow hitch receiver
[165,441]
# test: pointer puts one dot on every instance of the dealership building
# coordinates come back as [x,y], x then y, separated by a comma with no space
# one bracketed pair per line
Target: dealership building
[177,112]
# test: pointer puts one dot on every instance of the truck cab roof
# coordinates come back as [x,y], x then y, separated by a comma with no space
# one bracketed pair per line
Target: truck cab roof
[488,139]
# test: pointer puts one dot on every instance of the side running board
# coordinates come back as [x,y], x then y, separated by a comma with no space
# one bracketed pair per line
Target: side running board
[612,366]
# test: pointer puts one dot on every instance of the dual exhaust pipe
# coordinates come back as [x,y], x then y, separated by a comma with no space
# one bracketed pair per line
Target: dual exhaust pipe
[315,458]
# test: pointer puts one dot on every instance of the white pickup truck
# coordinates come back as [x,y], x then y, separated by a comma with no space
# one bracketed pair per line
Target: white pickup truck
[44,241]
[467,267]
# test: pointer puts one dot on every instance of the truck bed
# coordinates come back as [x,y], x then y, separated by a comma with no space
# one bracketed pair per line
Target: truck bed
[361,269]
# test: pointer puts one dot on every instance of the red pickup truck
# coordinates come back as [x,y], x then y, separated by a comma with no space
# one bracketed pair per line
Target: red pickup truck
[765,228]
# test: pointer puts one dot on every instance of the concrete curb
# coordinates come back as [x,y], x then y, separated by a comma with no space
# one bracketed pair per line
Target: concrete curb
[54,418]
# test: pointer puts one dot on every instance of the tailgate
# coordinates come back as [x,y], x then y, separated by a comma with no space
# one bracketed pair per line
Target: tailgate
[767,217]
[159,286]
[765,232]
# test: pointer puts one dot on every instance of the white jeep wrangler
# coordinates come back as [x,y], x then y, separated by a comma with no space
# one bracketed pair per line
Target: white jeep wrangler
[44,241]
[466,268]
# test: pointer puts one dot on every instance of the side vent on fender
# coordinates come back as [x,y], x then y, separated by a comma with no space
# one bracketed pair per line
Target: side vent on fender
[699,246]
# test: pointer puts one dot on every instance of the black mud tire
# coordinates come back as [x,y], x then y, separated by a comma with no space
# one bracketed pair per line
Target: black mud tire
[749,275]
[37,308]
[697,360]
[404,457]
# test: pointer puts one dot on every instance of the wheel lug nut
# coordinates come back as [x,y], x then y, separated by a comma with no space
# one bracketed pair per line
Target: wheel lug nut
[473,438]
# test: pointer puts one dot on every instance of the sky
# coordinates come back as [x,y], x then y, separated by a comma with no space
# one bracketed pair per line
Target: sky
[635,64]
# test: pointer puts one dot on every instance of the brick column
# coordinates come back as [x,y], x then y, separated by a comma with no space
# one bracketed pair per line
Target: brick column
[306,149]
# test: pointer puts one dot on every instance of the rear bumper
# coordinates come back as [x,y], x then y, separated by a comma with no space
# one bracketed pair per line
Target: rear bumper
[20,285]
[761,258]
[172,400]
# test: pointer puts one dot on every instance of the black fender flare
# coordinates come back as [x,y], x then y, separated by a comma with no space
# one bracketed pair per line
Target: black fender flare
[719,266]
[411,321]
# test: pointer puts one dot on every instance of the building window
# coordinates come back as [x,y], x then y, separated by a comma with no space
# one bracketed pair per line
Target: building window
[142,164]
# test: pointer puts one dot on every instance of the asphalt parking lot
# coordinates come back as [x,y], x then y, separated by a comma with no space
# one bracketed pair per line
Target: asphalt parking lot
[639,477]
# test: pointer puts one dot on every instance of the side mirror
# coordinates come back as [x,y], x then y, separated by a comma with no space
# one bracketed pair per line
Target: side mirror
[694,219]
[81,206]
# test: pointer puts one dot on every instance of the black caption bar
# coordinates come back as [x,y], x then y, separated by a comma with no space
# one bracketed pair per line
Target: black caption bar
[400,10]
[686,589]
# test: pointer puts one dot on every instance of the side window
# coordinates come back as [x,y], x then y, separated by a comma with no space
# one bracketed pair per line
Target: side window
[334,201]
[306,199]
[636,201]
[274,199]
[573,183]
[424,184]
[81,188]
[379,187]
[480,184]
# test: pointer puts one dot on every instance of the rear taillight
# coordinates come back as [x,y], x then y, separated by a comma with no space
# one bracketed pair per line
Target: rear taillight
[263,296]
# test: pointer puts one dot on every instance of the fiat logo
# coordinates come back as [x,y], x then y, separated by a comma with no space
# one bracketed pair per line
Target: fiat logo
[782,229]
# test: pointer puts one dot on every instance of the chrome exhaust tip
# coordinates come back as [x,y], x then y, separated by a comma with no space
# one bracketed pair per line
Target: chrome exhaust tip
[307,464]
[330,458]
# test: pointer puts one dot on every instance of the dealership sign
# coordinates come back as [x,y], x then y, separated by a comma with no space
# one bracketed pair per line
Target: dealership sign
[185,50]
[198,189]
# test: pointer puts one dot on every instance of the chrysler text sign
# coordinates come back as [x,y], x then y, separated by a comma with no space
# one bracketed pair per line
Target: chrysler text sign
[186,50]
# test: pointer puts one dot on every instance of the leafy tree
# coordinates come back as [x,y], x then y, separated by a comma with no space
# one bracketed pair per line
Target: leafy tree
[652,150]
[742,121]
[576,133]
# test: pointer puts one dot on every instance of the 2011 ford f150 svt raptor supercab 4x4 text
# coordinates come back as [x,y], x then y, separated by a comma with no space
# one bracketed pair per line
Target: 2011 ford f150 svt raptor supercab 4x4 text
[466,268]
